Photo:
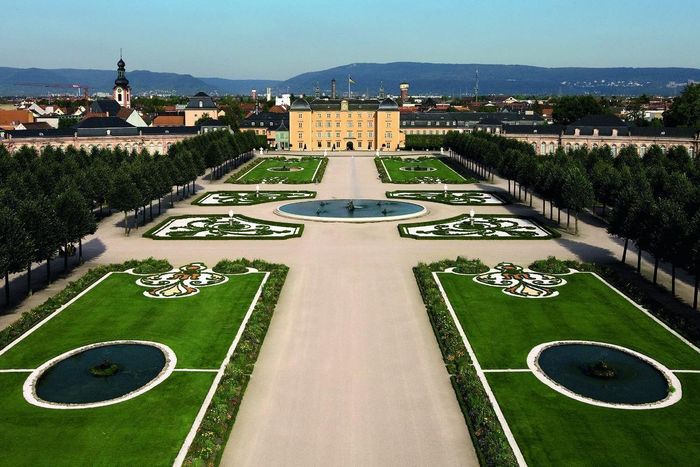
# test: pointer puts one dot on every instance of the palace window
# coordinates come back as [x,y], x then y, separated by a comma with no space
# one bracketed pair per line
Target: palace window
[387,135]
[337,134]
[349,124]
[301,135]
[301,125]
[370,134]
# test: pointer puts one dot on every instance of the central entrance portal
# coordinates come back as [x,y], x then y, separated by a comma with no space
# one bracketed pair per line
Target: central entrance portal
[349,146]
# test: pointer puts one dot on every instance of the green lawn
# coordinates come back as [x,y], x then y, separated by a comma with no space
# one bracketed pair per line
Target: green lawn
[550,428]
[439,172]
[271,171]
[149,429]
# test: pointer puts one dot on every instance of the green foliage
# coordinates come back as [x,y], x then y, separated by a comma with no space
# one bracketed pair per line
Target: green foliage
[469,266]
[226,266]
[552,265]
[568,109]
[153,266]
[685,109]
[424,142]
[486,432]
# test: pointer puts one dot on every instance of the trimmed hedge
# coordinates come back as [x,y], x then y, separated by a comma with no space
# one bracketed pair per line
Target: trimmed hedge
[73,289]
[424,142]
[683,319]
[209,443]
[321,169]
[552,233]
[487,433]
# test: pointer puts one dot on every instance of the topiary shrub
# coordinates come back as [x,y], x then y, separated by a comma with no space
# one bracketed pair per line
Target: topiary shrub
[552,265]
[226,266]
[470,266]
[153,266]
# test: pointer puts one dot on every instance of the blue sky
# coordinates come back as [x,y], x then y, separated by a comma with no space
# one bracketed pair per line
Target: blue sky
[278,39]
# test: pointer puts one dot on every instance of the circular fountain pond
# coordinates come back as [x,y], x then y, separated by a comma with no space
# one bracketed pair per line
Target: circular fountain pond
[604,374]
[99,374]
[351,210]
[285,169]
[417,168]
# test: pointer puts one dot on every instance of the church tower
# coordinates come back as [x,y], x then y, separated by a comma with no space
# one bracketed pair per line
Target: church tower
[122,91]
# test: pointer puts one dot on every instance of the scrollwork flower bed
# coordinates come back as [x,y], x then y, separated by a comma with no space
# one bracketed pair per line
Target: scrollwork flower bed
[482,227]
[453,197]
[220,227]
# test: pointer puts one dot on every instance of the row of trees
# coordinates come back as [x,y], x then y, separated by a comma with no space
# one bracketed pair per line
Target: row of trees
[653,201]
[50,201]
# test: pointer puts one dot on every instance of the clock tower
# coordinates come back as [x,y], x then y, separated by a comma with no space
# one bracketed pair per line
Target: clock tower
[122,91]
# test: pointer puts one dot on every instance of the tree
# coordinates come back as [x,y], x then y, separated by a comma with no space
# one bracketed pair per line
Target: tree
[124,196]
[75,220]
[685,109]
[568,109]
[577,192]
[15,246]
[38,216]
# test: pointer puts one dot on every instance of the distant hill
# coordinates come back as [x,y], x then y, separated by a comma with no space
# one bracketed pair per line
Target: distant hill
[424,79]
[17,82]
[455,79]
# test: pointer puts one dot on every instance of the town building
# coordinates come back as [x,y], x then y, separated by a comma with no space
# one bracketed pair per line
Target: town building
[347,124]
[273,125]
[602,130]
[200,105]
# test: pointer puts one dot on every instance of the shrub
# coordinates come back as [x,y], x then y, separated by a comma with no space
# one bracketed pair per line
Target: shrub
[552,265]
[153,266]
[226,266]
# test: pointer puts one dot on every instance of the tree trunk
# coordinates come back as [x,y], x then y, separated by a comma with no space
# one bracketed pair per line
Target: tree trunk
[48,270]
[65,256]
[624,251]
[558,215]
[530,198]
[673,279]
[80,251]
[639,259]
[144,214]
[126,224]
[544,207]
[7,288]
[568,218]
[194,186]
[509,185]
[159,208]
[136,218]
[656,268]
[171,197]
[551,210]
[29,279]
[151,209]
[575,221]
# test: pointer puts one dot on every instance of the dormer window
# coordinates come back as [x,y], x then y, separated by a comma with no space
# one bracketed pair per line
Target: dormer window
[201,104]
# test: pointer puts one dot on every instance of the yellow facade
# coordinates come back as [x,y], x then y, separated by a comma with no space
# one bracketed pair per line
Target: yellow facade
[363,125]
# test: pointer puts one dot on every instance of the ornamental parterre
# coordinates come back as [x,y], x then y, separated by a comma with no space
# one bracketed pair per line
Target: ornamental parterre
[482,227]
[223,227]
[181,282]
[517,282]
[462,198]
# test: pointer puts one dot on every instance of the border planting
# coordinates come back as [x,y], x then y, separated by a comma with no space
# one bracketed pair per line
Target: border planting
[214,431]
[487,434]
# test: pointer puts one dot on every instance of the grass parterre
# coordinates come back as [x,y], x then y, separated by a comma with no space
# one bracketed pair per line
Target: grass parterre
[550,428]
[276,170]
[202,328]
[419,170]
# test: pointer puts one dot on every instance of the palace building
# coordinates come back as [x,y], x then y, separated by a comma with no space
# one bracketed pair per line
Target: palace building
[344,124]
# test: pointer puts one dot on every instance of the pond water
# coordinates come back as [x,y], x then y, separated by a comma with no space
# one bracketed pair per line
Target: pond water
[604,373]
[70,380]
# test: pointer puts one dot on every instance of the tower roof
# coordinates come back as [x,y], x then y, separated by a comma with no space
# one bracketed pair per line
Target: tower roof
[121,74]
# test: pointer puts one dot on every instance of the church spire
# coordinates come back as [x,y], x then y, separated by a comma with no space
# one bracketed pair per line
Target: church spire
[122,91]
